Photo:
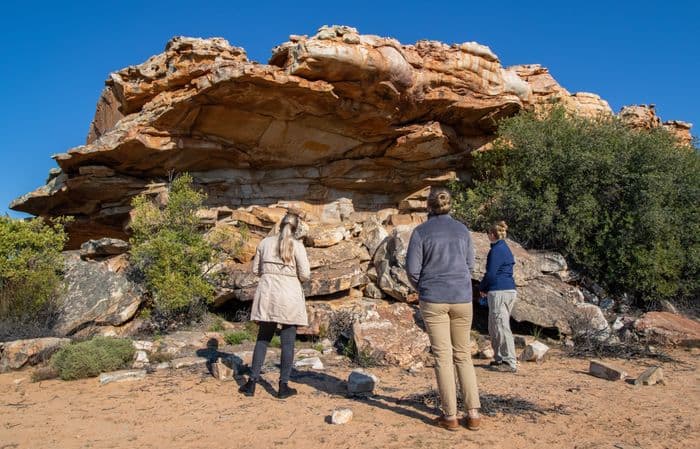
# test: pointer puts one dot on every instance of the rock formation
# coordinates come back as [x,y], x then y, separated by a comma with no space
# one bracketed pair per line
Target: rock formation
[346,129]
[335,115]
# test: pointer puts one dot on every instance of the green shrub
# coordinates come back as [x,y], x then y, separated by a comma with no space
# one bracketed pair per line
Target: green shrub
[217,325]
[92,357]
[160,357]
[169,250]
[31,267]
[237,337]
[276,342]
[622,205]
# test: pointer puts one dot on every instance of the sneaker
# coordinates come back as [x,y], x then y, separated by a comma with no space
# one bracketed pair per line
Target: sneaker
[248,388]
[496,363]
[506,368]
[285,391]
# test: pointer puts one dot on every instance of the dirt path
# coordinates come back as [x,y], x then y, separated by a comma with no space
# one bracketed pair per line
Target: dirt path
[552,405]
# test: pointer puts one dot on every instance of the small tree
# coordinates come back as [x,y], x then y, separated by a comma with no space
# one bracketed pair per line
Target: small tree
[623,205]
[169,250]
[31,267]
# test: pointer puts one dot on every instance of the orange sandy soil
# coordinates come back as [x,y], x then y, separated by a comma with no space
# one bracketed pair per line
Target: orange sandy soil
[555,404]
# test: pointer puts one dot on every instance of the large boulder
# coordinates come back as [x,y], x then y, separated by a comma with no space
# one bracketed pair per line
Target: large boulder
[549,302]
[388,334]
[669,329]
[526,266]
[20,353]
[330,279]
[390,264]
[95,295]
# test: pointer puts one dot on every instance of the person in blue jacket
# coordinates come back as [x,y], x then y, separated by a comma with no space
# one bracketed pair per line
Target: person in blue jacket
[498,286]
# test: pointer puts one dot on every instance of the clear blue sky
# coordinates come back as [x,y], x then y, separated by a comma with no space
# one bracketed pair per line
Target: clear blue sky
[56,55]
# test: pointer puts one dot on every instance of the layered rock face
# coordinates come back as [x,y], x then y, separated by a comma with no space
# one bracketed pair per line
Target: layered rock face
[335,115]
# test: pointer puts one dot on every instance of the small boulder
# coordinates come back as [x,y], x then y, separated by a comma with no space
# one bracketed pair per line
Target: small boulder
[606,371]
[221,371]
[140,359]
[341,416]
[522,340]
[652,376]
[534,351]
[361,382]
[310,362]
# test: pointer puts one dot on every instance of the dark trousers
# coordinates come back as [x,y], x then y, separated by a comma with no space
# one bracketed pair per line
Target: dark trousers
[265,333]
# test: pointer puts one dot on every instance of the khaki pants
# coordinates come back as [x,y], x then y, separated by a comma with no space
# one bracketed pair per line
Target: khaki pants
[448,327]
[500,306]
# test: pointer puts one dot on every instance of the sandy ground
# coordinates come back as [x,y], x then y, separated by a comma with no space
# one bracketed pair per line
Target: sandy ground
[551,405]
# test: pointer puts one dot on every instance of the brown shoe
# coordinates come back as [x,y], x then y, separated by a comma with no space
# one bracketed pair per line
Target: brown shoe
[472,423]
[447,423]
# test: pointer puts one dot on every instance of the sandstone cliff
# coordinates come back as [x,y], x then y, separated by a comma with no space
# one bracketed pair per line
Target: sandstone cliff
[336,115]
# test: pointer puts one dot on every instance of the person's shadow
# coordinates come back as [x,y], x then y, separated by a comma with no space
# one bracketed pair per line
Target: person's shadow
[212,353]
[334,386]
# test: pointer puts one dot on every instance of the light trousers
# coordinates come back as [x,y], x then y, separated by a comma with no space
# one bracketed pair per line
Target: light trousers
[449,327]
[500,306]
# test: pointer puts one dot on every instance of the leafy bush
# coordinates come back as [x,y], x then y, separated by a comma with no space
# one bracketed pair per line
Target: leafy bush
[92,357]
[237,337]
[276,342]
[169,250]
[31,268]
[622,205]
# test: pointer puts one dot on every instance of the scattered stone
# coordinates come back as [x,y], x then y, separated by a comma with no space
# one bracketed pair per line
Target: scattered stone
[416,368]
[19,381]
[312,362]
[162,366]
[306,353]
[341,416]
[605,371]
[534,351]
[618,324]
[652,376]
[486,353]
[140,359]
[122,376]
[522,340]
[143,345]
[220,371]
[186,362]
[362,382]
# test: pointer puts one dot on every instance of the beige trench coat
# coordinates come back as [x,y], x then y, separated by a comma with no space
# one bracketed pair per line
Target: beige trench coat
[279,297]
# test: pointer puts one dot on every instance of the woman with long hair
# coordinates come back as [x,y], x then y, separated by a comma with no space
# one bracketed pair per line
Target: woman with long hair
[281,262]
[498,286]
[439,262]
